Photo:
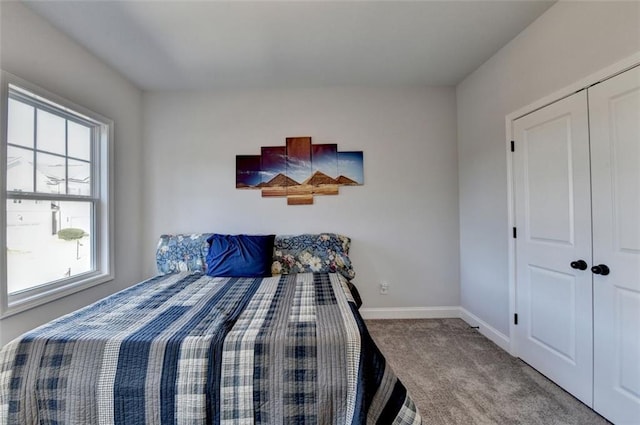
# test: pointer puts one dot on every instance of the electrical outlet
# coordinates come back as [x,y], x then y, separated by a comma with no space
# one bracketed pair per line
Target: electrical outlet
[384,288]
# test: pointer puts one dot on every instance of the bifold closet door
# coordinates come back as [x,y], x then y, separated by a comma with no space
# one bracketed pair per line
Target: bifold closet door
[614,111]
[553,244]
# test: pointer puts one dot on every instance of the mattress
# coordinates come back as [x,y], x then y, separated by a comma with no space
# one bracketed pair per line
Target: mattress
[188,348]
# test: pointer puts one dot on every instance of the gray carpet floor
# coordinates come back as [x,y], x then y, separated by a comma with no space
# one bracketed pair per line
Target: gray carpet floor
[457,376]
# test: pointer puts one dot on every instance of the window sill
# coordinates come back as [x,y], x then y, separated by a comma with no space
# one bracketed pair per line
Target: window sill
[42,298]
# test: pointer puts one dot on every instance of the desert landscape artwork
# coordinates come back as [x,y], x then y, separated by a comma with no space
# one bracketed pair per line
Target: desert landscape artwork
[299,170]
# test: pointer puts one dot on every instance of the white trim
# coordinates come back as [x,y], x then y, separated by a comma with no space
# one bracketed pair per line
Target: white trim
[52,295]
[104,245]
[511,242]
[599,76]
[4,106]
[411,313]
[497,337]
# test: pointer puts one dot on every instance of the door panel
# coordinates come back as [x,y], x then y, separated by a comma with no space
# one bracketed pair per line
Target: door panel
[553,217]
[614,109]
[552,324]
[549,182]
[628,307]
[625,168]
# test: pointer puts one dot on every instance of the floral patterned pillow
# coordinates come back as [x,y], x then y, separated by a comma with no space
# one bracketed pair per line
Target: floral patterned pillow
[178,253]
[326,252]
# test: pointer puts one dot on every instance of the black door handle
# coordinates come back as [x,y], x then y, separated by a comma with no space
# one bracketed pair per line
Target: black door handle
[580,265]
[602,269]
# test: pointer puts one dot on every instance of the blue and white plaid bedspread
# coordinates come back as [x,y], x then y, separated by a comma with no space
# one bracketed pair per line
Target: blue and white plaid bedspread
[191,349]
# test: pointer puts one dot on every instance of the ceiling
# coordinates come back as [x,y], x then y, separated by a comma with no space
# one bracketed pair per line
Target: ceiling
[195,45]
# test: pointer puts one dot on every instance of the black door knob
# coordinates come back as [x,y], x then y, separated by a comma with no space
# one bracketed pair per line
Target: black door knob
[600,269]
[580,265]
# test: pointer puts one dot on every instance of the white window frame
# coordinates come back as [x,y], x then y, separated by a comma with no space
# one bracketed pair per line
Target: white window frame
[102,181]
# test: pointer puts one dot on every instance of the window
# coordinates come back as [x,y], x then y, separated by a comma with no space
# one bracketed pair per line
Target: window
[56,215]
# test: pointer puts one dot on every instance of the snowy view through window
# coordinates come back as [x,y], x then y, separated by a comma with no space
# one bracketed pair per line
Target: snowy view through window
[49,205]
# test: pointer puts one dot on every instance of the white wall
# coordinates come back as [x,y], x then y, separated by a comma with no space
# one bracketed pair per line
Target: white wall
[32,49]
[403,221]
[568,42]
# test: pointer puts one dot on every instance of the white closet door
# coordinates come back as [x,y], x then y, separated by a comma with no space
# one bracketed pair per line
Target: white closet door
[553,218]
[614,110]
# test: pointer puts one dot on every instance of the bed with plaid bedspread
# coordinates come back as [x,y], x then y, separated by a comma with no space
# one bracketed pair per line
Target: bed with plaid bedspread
[191,349]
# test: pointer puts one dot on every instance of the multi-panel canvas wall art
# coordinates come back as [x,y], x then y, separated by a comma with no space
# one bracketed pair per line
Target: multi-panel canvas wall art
[299,170]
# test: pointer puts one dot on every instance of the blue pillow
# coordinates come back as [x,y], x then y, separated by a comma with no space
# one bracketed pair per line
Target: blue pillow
[240,255]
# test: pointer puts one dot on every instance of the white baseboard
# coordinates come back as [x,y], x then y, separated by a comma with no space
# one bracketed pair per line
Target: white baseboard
[500,339]
[411,313]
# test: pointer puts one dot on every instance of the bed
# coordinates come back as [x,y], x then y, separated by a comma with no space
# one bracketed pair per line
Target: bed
[188,348]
